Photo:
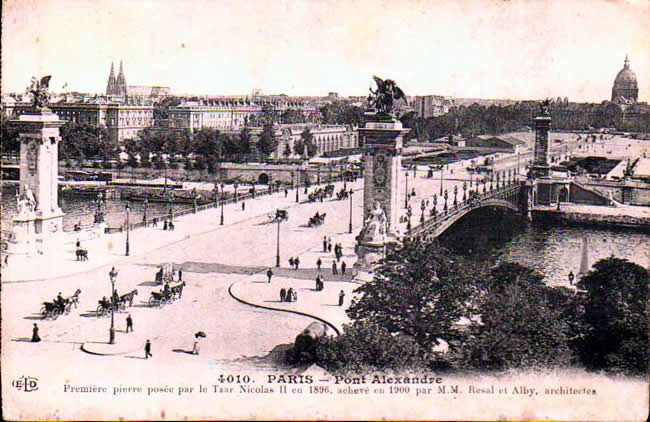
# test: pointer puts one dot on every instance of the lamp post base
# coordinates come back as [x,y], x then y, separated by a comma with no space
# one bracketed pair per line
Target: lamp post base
[111,336]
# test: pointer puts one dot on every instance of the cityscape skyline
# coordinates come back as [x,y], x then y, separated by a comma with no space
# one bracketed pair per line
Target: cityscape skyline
[485,49]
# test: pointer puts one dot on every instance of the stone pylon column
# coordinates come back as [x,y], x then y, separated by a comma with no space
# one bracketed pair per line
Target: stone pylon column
[542,152]
[382,138]
[39,177]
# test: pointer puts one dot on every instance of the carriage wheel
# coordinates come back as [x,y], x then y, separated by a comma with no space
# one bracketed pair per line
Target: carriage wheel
[55,313]
[44,311]
[100,311]
[152,301]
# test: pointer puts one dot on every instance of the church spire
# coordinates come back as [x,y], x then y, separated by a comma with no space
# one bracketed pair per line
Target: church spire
[111,85]
[627,62]
[121,81]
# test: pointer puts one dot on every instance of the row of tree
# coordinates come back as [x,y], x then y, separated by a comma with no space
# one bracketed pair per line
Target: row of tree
[476,119]
[500,318]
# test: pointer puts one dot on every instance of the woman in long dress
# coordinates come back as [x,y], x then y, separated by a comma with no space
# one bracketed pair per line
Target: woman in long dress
[35,337]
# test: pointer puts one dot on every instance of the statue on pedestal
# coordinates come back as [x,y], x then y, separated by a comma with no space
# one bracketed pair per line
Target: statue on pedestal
[26,203]
[38,91]
[382,99]
[374,228]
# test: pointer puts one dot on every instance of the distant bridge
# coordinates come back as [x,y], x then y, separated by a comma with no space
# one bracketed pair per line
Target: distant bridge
[509,195]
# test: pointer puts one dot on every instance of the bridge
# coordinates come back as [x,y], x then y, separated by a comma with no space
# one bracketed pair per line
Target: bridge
[506,194]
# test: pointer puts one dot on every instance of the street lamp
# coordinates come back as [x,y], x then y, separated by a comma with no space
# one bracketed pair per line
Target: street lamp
[406,196]
[223,198]
[350,226]
[297,185]
[170,196]
[279,218]
[144,215]
[112,275]
[464,191]
[435,203]
[455,195]
[442,169]
[409,213]
[414,169]
[422,207]
[128,228]
[235,185]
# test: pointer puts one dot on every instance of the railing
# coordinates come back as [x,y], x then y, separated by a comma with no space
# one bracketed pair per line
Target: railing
[468,204]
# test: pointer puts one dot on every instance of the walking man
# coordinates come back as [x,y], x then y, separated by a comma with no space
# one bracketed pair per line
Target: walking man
[35,337]
[334,270]
[343,267]
[291,262]
[329,245]
[180,274]
[147,349]
[283,294]
[269,274]
[243,206]
[296,262]
[341,298]
[324,243]
[319,263]
[129,323]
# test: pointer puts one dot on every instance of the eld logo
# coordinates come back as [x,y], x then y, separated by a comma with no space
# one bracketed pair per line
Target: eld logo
[27,384]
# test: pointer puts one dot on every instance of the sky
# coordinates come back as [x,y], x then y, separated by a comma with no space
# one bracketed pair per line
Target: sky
[518,49]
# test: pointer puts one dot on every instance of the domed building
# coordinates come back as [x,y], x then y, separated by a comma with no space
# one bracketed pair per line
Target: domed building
[625,89]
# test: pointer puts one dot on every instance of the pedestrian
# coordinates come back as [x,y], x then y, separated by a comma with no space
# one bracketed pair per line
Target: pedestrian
[294,296]
[147,349]
[6,259]
[269,274]
[171,226]
[343,267]
[78,243]
[286,192]
[329,245]
[243,206]
[112,274]
[35,337]
[324,243]
[155,221]
[180,274]
[334,270]
[341,297]
[165,225]
[296,262]
[289,295]
[283,294]
[319,263]
[129,323]
[291,262]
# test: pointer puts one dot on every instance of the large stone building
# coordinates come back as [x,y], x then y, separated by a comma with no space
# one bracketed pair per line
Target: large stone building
[431,105]
[625,89]
[327,138]
[230,113]
[123,121]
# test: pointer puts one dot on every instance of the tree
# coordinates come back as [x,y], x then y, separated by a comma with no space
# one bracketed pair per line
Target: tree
[307,139]
[421,290]
[161,110]
[616,316]
[267,142]
[207,147]
[341,113]
[523,323]
[245,141]
[82,140]
[10,142]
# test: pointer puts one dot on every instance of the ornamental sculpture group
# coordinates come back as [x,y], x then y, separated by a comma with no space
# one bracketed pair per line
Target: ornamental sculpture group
[25,202]
[374,228]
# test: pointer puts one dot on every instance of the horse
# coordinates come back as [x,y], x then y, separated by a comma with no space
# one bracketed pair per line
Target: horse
[178,290]
[129,297]
[74,299]
[82,254]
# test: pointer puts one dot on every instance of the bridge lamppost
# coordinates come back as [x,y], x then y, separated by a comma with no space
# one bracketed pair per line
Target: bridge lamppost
[223,199]
[442,179]
[464,191]
[112,275]
[484,181]
[409,213]
[170,197]
[414,169]
[235,185]
[127,207]
[435,203]
[297,185]
[446,195]
[423,206]
[455,196]
[406,193]
[350,195]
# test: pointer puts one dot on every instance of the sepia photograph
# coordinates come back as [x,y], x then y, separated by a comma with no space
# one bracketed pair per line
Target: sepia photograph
[325,210]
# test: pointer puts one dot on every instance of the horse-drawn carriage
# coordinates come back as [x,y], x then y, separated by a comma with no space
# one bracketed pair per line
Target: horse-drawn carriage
[282,215]
[166,295]
[106,306]
[342,194]
[60,306]
[165,274]
[317,219]
[128,297]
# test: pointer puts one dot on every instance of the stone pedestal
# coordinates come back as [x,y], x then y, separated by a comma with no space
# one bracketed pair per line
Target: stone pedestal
[22,240]
[541,166]
[382,138]
[39,174]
